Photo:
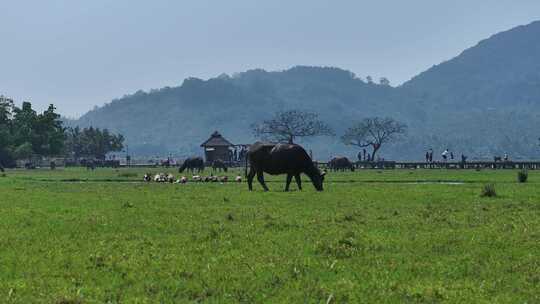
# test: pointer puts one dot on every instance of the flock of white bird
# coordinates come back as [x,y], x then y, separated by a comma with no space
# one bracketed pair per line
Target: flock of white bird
[169,178]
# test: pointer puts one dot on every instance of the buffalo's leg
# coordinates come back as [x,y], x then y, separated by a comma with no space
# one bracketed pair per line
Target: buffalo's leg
[298,181]
[260,178]
[288,182]
[250,177]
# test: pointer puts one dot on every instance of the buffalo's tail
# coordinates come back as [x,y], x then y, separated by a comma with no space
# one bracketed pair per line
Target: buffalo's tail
[246,166]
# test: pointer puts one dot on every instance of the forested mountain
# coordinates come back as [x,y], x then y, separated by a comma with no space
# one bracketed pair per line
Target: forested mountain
[483,102]
[486,100]
[179,119]
[500,72]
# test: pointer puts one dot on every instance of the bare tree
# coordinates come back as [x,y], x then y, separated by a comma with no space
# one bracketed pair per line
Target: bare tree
[286,126]
[373,132]
[384,81]
[369,79]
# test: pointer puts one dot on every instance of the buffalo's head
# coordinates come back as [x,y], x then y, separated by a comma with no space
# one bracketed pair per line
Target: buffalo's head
[317,178]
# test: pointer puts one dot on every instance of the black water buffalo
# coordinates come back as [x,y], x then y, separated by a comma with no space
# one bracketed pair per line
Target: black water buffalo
[277,159]
[340,163]
[90,165]
[218,164]
[192,163]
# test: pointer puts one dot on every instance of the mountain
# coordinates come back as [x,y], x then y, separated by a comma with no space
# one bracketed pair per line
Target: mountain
[482,103]
[486,100]
[176,120]
[500,72]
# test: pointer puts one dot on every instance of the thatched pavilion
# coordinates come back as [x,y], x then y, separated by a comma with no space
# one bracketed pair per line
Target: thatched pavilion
[217,147]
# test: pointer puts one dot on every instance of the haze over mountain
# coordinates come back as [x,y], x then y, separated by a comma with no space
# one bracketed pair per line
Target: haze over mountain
[482,103]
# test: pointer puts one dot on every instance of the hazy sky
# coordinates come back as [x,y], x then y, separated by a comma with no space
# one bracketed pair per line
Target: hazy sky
[77,54]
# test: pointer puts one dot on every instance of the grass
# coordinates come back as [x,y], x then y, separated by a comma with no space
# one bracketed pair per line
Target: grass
[77,236]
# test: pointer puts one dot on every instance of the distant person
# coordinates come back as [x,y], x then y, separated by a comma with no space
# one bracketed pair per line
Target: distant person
[452,155]
[463,161]
[430,155]
[242,154]
[427,156]
[359,155]
[445,155]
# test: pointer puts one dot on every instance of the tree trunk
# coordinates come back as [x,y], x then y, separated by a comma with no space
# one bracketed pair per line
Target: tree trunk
[375,149]
[291,139]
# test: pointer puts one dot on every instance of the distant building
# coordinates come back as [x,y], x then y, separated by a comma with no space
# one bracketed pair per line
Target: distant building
[217,147]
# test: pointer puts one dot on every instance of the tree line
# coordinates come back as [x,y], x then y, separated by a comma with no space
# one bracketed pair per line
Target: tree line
[287,126]
[26,134]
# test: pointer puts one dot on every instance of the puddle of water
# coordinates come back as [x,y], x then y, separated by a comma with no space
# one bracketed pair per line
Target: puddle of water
[434,183]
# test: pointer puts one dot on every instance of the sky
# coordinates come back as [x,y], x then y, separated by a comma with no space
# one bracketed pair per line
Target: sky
[78,54]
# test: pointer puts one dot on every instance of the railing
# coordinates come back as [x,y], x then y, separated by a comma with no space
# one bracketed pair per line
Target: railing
[532,165]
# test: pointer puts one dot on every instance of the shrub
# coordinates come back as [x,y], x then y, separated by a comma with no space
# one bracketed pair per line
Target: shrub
[522,176]
[488,191]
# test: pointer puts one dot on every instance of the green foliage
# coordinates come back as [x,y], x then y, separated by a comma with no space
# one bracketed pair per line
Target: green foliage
[23,132]
[488,190]
[92,142]
[23,151]
[522,176]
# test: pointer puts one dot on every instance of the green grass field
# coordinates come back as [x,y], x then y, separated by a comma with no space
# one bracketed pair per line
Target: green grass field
[419,236]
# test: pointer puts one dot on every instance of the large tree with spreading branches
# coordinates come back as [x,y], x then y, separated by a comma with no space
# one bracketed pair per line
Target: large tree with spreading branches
[287,126]
[374,132]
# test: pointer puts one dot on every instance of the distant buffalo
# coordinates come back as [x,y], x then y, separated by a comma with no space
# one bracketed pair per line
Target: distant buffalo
[340,163]
[192,163]
[219,165]
[90,165]
[278,159]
